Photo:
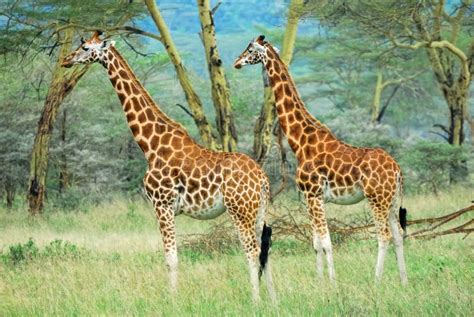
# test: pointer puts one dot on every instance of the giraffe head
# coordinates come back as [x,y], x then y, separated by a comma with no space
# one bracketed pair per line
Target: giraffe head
[90,51]
[256,52]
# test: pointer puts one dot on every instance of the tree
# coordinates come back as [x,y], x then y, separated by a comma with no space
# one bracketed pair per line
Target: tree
[378,111]
[219,85]
[36,23]
[197,111]
[428,26]
[62,82]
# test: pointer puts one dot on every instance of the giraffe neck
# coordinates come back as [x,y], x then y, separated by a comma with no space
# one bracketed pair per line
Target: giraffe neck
[145,119]
[295,120]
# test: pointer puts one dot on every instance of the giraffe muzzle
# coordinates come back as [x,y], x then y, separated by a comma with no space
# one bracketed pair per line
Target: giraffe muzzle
[66,63]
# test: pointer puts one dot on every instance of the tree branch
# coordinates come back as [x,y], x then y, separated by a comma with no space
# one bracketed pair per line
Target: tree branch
[128,29]
[213,10]
[186,110]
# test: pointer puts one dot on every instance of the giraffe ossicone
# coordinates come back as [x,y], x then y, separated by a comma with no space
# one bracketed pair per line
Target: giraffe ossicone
[182,176]
[330,170]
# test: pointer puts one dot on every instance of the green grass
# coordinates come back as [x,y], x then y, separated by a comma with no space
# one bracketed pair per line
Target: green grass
[109,262]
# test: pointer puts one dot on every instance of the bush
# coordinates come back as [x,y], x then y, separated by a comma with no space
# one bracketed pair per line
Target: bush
[76,199]
[61,249]
[22,252]
[427,164]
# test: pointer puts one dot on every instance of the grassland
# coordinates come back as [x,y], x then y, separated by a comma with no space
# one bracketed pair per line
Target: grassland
[109,262]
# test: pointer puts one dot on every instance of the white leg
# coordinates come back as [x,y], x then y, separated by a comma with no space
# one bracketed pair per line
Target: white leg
[398,243]
[172,264]
[168,234]
[269,281]
[251,249]
[254,266]
[319,225]
[380,259]
[318,247]
[327,247]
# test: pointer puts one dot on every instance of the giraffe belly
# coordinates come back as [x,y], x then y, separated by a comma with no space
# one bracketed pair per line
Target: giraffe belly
[208,209]
[347,197]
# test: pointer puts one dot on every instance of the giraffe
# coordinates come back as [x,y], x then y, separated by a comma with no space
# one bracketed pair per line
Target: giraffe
[182,176]
[330,170]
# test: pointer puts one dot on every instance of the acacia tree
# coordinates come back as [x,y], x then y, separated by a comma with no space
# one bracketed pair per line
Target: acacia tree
[62,83]
[382,84]
[433,26]
[40,25]
[219,84]
[194,102]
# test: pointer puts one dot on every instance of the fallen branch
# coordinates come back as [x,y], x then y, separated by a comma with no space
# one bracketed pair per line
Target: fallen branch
[459,229]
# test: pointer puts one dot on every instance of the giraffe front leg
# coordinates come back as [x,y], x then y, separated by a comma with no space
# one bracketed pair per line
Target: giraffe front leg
[321,236]
[318,248]
[168,233]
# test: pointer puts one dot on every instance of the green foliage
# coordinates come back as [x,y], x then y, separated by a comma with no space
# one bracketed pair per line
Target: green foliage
[352,127]
[428,164]
[74,199]
[61,249]
[19,253]
[29,251]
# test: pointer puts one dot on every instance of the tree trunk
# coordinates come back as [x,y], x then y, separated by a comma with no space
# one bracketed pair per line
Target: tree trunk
[455,87]
[456,93]
[263,127]
[456,99]
[10,190]
[192,98]
[62,83]
[63,167]
[219,85]
[377,97]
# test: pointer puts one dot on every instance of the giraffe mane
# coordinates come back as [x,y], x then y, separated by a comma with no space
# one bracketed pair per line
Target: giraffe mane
[145,93]
[315,122]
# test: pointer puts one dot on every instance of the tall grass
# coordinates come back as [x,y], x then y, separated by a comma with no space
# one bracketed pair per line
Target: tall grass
[112,264]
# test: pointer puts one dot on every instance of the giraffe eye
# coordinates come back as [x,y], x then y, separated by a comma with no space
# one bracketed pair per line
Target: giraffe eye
[85,48]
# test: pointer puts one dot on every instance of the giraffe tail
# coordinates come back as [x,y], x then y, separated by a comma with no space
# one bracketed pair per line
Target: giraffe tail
[402,215]
[265,247]
[402,212]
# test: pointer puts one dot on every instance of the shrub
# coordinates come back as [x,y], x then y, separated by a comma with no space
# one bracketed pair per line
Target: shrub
[61,249]
[22,252]
[427,164]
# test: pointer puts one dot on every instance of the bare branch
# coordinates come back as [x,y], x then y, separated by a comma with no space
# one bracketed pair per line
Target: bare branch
[439,134]
[213,10]
[133,48]
[128,29]
[186,110]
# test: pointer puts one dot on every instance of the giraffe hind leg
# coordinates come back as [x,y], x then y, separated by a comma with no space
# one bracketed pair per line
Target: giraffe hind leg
[320,227]
[381,214]
[398,244]
[248,238]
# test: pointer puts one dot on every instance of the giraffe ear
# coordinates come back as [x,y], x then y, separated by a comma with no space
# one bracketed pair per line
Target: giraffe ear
[259,47]
[107,44]
[276,50]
